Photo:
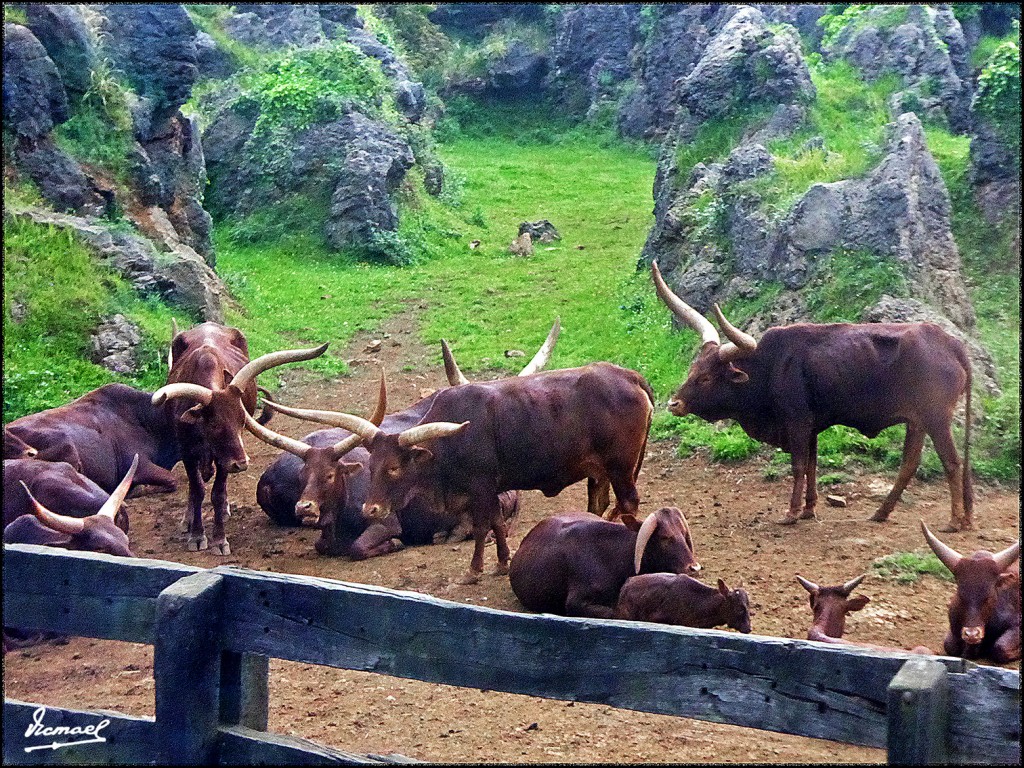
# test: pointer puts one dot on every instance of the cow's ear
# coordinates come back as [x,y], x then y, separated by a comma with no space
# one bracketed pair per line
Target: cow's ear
[723,590]
[421,456]
[350,467]
[1006,579]
[736,376]
[121,520]
[858,602]
[192,415]
[630,522]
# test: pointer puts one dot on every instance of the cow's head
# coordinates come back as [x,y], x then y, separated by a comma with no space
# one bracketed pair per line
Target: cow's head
[978,580]
[663,543]
[95,533]
[16,448]
[714,381]
[831,604]
[737,607]
[219,415]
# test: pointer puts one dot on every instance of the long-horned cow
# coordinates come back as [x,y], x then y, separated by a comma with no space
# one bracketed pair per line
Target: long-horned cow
[544,431]
[984,612]
[574,564]
[55,484]
[210,386]
[800,379]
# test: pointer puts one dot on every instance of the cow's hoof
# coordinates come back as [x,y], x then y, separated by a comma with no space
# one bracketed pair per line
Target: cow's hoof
[222,548]
[950,527]
[788,520]
[397,545]
[439,538]
[879,517]
[808,514]
[500,570]
[196,543]
[469,577]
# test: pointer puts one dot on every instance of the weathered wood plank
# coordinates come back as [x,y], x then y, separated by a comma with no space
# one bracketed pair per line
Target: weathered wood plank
[84,593]
[186,667]
[243,746]
[790,686]
[984,724]
[919,714]
[244,690]
[127,740]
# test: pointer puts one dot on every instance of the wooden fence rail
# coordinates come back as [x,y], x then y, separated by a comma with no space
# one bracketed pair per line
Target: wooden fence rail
[213,631]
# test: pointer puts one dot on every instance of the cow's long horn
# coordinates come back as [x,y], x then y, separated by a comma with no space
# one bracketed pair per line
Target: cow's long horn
[271,437]
[382,401]
[1008,556]
[642,537]
[544,353]
[851,585]
[423,432]
[684,311]
[116,499]
[182,389]
[254,368]
[342,447]
[170,349]
[740,344]
[949,556]
[451,368]
[360,426]
[59,523]
[810,586]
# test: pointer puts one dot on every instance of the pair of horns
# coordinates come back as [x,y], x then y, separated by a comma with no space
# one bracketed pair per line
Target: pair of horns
[302,449]
[846,589]
[241,380]
[643,537]
[740,344]
[455,376]
[951,558]
[75,525]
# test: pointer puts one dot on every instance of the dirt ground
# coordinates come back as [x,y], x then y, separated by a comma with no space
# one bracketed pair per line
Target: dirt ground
[731,510]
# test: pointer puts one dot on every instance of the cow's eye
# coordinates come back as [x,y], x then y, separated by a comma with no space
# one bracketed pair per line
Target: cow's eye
[394,472]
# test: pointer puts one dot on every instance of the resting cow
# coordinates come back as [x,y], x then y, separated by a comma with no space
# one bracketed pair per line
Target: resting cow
[574,564]
[56,485]
[671,598]
[16,448]
[210,385]
[544,431]
[800,379]
[984,612]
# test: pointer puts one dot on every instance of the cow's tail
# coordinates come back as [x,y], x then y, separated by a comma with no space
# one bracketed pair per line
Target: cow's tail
[968,485]
[647,431]
[266,413]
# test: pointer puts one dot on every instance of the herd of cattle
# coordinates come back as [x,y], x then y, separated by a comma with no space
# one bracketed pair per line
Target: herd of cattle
[452,465]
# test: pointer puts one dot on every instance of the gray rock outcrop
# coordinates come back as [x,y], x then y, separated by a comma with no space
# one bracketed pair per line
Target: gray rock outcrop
[995,175]
[114,343]
[63,32]
[34,98]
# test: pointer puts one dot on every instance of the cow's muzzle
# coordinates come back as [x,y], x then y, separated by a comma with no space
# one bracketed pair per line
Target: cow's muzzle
[972,635]
[308,513]
[238,465]
[677,408]
[376,511]
[693,569]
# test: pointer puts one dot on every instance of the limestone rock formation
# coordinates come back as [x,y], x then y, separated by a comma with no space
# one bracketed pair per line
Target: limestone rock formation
[63,32]
[114,342]
[34,97]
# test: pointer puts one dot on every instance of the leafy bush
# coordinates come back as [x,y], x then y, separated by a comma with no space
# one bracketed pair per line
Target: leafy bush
[999,95]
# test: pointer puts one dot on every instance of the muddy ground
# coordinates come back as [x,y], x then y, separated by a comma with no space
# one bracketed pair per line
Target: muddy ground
[731,510]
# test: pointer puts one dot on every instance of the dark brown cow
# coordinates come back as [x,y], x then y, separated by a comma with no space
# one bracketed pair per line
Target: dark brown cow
[984,612]
[800,379]
[16,448]
[100,432]
[574,564]
[210,385]
[544,431]
[56,485]
[670,598]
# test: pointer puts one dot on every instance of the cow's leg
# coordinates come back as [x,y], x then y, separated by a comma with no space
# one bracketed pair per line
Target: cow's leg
[953,645]
[598,495]
[462,531]
[485,509]
[579,602]
[811,491]
[193,518]
[151,478]
[912,446]
[800,441]
[627,500]
[500,529]
[380,538]
[942,439]
[219,497]
[1007,647]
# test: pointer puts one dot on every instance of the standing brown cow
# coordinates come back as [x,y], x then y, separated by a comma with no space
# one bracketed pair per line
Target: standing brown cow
[801,379]
[210,382]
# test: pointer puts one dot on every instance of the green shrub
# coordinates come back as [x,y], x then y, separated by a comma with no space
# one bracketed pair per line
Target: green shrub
[908,567]
[999,95]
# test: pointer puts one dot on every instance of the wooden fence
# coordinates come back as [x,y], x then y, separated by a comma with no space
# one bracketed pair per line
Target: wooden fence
[214,630]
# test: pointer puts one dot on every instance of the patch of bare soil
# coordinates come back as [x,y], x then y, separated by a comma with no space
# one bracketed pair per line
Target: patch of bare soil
[731,509]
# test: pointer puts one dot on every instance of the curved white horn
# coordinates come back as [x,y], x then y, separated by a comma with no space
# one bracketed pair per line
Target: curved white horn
[116,499]
[367,429]
[170,350]
[742,344]
[451,368]
[684,311]
[59,523]
[544,353]
[642,537]
[342,447]
[271,437]
[851,585]
[182,389]
[254,368]
[949,556]
[424,432]
[382,401]
[1008,556]
[810,586]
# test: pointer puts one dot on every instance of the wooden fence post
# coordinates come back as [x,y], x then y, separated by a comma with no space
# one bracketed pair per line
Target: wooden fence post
[244,689]
[186,668]
[918,713]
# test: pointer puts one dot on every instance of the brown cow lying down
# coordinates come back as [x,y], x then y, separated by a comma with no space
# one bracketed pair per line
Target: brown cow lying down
[56,485]
[574,564]
[984,612]
[670,598]
[831,605]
